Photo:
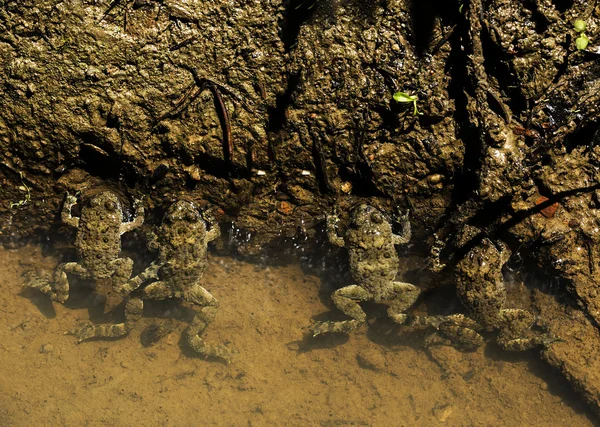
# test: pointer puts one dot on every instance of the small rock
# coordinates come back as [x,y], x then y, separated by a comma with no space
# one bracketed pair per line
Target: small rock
[371,359]
[442,412]
[47,348]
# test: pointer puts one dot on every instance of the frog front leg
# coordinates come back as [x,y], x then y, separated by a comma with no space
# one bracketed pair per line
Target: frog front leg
[133,312]
[332,231]
[346,299]
[66,215]
[214,231]
[137,221]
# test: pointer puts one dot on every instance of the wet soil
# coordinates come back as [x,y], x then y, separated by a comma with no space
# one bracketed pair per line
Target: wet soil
[280,376]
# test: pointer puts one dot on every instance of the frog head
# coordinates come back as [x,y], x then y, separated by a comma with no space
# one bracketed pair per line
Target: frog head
[368,219]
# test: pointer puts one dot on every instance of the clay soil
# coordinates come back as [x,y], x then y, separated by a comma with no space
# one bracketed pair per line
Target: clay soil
[281,376]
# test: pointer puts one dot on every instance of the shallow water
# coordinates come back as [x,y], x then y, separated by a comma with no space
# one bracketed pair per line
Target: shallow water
[281,375]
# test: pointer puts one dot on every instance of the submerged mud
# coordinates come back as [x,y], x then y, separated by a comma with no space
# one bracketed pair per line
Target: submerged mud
[281,375]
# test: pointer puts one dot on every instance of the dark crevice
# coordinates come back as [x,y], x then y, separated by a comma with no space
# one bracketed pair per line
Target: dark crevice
[362,179]
[396,117]
[159,173]
[97,156]
[297,12]
[129,175]
[588,135]
[219,168]
[320,166]
[276,114]
[541,22]
[424,14]
[497,64]
[465,180]
[562,5]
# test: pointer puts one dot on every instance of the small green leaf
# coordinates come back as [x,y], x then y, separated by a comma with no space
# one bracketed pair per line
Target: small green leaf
[582,41]
[404,97]
[579,25]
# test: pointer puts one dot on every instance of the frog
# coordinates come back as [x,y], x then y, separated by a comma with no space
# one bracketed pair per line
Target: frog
[481,289]
[182,244]
[97,242]
[373,263]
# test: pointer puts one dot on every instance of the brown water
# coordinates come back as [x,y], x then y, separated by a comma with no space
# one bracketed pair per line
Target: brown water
[281,376]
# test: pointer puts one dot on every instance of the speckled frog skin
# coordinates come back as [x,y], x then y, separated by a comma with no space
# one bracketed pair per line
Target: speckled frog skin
[181,241]
[373,266]
[481,289]
[98,244]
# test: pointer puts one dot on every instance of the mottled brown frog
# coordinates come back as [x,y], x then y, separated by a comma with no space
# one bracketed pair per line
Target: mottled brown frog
[181,241]
[98,245]
[481,289]
[373,265]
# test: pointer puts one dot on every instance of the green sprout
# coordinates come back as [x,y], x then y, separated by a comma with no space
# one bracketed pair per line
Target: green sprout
[583,40]
[27,198]
[579,25]
[406,98]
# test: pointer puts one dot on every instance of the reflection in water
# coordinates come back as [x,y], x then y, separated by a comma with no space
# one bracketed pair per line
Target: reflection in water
[281,376]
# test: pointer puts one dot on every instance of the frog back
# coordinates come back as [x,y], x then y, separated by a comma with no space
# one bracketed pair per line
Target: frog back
[373,258]
[183,254]
[480,285]
[98,240]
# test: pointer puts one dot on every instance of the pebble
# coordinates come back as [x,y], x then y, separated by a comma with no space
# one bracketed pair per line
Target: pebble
[47,348]
[371,359]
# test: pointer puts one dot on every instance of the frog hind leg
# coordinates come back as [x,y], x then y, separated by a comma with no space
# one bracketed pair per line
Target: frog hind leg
[455,330]
[123,267]
[346,299]
[58,289]
[514,334]
[133,312]
[402,296]
[199,296]
[455,335]
[130,285]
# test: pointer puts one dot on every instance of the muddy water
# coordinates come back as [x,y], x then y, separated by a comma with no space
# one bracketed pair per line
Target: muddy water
[280,376]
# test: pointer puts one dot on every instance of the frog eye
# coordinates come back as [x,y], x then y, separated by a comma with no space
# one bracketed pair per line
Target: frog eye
[110,205]
[376,217]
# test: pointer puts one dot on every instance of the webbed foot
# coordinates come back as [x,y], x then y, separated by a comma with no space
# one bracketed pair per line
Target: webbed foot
[548,339]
